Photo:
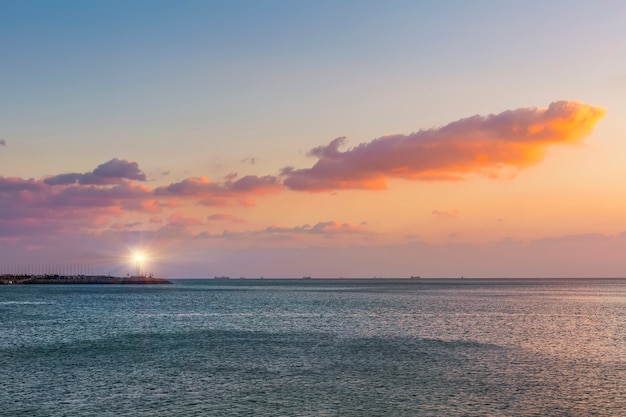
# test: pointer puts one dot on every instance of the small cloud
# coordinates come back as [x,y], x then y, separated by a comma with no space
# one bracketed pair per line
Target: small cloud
[508,240]
[120,168]
[177,220]
[441,214]
[223,217]
[3,142]
[124,226]
[115,171]
[322,228]
[572,239]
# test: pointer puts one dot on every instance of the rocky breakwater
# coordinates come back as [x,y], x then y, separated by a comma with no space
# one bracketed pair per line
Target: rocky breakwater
[78,279]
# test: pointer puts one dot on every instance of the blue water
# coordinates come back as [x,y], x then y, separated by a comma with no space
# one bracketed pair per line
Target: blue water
[315,348]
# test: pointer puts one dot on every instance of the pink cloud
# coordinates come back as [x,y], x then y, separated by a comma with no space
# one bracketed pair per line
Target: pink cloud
[14,184]
[479,144]
[220,194]
[202,186]
[441,214]
[58,208]
[90,196]
[178,220]
[124,226]
[110,191]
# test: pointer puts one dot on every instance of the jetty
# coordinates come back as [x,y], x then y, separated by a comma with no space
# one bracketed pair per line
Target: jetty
[26,279]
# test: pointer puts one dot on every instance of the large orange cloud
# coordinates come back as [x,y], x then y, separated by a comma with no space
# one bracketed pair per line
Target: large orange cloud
[478,144]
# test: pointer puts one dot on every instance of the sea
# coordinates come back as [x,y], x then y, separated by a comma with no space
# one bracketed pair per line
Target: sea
[242,347]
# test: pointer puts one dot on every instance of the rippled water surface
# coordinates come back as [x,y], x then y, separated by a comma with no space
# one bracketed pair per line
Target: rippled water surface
[315,348]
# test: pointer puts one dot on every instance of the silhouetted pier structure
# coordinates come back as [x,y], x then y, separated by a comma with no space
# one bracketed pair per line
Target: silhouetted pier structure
[67,274]
[9,279]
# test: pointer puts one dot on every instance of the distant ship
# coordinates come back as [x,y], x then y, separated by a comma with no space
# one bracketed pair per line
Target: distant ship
[306,278]
[221,278]
[415,277]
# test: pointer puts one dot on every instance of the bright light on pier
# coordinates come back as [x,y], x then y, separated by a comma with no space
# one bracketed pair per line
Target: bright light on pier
[139,258]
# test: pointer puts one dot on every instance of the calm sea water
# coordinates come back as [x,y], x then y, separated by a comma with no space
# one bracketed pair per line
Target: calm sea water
[315,348]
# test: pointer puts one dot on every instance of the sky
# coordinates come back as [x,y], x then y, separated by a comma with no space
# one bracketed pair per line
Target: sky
[326,139]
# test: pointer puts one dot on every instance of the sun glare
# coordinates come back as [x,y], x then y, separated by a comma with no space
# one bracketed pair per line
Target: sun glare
[139,257]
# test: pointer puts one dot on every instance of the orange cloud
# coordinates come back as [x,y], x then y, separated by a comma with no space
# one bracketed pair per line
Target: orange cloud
[478,144]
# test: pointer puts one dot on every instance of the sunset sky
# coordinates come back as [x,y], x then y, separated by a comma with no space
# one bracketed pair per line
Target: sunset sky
[321,138]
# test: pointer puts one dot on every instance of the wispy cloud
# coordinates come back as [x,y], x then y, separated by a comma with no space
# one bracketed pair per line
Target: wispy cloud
[178,220]
[442,214]
[224,217]
[219,194]
[328,229]
[124,226]
[3,142]
[479,144]
[322,228]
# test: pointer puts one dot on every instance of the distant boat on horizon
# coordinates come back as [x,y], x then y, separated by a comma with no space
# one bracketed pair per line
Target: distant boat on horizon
[221,278]
[415,277]
[307,278]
